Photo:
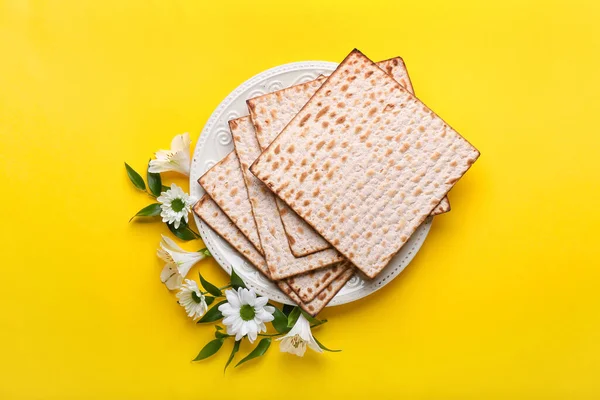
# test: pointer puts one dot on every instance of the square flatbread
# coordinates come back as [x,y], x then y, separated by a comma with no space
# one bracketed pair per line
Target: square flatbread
[224,183]
[214,217]
[271,112]
[364,162]
[280,260]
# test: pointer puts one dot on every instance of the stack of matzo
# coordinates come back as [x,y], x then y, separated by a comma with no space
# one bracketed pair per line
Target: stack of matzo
[332,175]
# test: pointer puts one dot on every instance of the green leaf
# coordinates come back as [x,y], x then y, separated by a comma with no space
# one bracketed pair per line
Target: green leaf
[287,309]
[211,348]
[209,300]
[280,321]
[293,317]
[236,281]
[165,188]
[205,251]
[213,314]
[151,210]
[236,347]
[210,288]
[135,178]
[258,351]
[219,328]
[183,232]
[154,182]
[310,318]
[221,335]
[325,348]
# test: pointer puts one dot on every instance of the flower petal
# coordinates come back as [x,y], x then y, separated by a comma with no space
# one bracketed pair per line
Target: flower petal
[232,298]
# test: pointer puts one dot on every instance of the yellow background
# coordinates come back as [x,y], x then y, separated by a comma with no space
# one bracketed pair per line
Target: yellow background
[501,302]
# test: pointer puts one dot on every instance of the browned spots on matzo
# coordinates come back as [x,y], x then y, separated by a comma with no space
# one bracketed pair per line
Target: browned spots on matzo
[405,146]
[290,149]
[330,144]
[291,239]
[453,163]
[325,124]
[320,144]
[344,87]
[417,192]
[436,156]
[233,192]
[299,194]
[275,165]
[306,203]
[304,119]
[316,192]
[421,128]
[317,176]
[389,107]
[341,104]
[388,152]
[303,176]
[321,112]
[340,120]
[372,111]
[277,149]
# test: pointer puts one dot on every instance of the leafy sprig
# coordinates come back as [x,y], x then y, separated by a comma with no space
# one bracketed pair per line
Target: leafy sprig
[284,319]
[154,190]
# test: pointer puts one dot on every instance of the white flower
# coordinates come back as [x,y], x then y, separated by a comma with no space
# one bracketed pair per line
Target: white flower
[296,340]
[245,314]
[178,262]
[177,159]
[192,300]
[175,204]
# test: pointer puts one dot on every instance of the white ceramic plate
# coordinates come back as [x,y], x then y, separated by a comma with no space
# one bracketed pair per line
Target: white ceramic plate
[215,143]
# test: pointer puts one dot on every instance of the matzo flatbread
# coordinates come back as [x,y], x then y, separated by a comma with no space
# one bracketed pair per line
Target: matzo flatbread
[315,306]
[209,212]
[214,217]
[281,261]
[222,183]
[307,285]
[364,162]
[271,112]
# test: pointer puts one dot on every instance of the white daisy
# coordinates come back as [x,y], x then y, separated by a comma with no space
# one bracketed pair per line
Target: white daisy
[192,300]
[178,262]
[177,159]
[296,340]
[175,204]
[245,314]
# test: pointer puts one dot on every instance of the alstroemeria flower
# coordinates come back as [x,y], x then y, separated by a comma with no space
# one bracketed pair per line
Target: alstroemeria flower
[177,159]
[175,205]
[191,298]
[178,262]
[296,340]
